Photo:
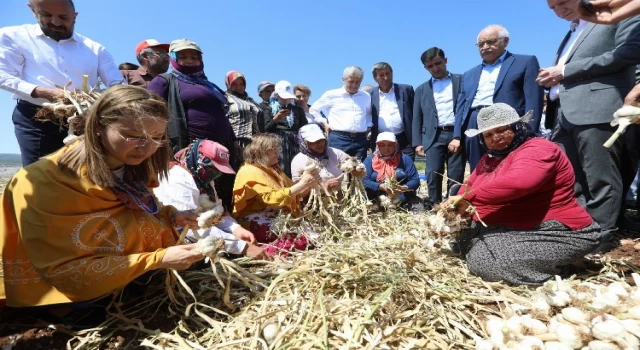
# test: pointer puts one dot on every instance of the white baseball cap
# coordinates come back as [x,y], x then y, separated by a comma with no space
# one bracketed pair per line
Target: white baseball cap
[284,89]
[312,133]
[386,136]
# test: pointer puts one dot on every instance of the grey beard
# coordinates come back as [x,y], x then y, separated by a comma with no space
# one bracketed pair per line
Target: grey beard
[57,36]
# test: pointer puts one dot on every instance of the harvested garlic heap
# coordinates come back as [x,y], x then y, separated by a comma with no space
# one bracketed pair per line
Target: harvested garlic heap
[353,190]
[570,314]
[445,222]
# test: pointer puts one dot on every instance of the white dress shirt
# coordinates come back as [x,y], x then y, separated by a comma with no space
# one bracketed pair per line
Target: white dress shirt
[554,92]
[345,112]
[487,83]
[28,59]
[180,190]
[389,118]
[443,95]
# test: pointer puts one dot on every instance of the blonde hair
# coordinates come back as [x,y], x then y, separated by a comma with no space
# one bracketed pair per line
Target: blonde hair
[256,151]
[119,102]
[302,88]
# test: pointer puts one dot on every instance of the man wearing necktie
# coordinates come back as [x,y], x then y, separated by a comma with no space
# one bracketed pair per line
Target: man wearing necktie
[501,77]
[594,69]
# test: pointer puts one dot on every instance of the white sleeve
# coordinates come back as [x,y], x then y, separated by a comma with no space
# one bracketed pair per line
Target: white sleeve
[297,165]
[107,69]
[228,224]
[178,190]
[320,106]
[11,66]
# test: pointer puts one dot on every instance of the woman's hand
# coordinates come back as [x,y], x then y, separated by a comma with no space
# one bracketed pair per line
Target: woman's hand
[256,253]
[306,182]
[185,218]
[385,189]
[244,235]
[283,113]
[461,205]
[180,257]
[403,188]
[332,184]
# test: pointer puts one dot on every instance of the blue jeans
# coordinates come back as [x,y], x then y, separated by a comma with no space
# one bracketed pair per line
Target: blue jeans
[354,144]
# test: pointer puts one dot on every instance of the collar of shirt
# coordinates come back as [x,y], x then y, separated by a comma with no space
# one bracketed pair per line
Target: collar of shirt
[433,80]
[581,24]
[386,93]
[37,31]
[497,62]
[347,94]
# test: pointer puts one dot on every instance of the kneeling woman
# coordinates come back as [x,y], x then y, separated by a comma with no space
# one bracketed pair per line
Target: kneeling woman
[523,190]
[388,162]
[194,173]
[82,223]
[262,191]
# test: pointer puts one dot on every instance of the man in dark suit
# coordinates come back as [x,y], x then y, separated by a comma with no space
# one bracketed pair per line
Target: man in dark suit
[501,77]
[433,119]
[594,69]
[391,108]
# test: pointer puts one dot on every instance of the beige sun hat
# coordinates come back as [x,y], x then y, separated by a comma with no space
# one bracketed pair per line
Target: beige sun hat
[183,44]
[497,115]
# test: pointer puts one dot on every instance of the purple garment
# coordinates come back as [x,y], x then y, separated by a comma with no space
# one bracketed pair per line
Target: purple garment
[206,118]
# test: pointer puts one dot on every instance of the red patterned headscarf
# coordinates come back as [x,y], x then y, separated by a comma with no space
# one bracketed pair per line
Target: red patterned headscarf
[232,76]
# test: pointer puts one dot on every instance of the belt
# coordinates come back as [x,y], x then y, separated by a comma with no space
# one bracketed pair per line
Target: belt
[478,108]
[445,128]
[27,103]
[353,135]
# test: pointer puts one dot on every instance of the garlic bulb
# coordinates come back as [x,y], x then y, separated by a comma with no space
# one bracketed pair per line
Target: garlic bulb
[210,246]
[608,330]
[484,345]
[554,345]
[569,335]
[602,345]
[631,326]
[211,217]
[270,332]
[532,326]
[617,288]
[558,298]
[575,315]
[530,343]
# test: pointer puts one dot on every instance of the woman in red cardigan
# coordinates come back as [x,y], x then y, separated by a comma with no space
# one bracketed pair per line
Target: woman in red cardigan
[523,190]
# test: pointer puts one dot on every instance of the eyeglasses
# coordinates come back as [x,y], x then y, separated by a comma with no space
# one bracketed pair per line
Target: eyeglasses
[490,42]
[143,141]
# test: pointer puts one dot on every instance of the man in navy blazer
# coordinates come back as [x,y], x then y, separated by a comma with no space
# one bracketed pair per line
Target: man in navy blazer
[391,108]
[433,124]
[501,77]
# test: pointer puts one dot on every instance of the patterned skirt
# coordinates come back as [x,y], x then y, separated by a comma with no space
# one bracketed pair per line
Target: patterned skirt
[260,225]
[525,257]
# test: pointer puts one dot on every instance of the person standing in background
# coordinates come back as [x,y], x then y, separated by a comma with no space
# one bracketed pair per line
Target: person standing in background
[153,58]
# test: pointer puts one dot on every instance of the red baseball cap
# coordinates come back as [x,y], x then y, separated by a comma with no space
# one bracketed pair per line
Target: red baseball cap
[145,44]
[218,154]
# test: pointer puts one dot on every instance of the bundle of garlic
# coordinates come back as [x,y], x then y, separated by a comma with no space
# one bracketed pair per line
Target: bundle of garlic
[445,222]
[210,246]
[210,212]
[320,201]
[355,203]
[570,314]
[623,117]
[388,203]
[69,110]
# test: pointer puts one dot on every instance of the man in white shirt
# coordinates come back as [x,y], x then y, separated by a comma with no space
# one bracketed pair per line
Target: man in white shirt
[391,108]
[348,112]
[433,124]
[34,58]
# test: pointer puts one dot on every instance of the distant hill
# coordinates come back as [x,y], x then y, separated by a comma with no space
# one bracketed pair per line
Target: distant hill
[10,159]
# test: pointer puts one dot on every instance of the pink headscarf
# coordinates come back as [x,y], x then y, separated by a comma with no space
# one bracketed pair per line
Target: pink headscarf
[231,76]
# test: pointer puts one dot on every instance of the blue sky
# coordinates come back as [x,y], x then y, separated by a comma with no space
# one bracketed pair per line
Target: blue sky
[307,42]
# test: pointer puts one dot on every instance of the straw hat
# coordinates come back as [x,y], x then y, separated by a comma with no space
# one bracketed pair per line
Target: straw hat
[497,115]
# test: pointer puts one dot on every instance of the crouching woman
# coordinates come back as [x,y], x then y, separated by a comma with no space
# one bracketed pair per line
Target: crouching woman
[523,190]
[194,174]
[82,222]
[262,191]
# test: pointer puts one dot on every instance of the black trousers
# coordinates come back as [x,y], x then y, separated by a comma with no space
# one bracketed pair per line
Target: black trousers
[437,156]
[36,139]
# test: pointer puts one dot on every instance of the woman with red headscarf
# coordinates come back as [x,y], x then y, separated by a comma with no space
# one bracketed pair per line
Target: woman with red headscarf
[244,113]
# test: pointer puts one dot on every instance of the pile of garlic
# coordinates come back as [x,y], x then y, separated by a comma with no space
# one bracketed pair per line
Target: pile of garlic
[210,212]
[570,314]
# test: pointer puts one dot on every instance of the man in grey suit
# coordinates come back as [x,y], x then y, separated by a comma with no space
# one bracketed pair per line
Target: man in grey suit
[594,70]
[433,124]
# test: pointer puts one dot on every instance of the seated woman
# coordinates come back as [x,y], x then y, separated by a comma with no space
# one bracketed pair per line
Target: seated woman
[197,168]
[387,162]
[82,223]
[523,190]
[262,191]
[313,149]
[198,107]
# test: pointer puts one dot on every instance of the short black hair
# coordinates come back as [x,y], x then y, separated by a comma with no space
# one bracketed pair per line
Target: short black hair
[431,53]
